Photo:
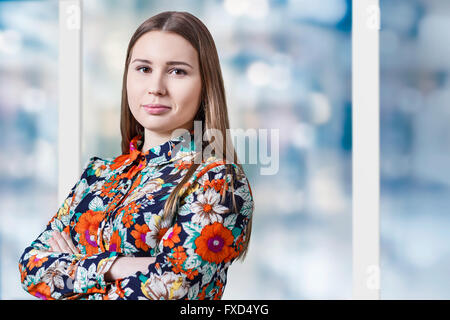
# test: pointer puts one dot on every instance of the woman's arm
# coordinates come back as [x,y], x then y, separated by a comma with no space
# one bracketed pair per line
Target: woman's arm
[127,266]
[46,271]
[122,267]
[195,253]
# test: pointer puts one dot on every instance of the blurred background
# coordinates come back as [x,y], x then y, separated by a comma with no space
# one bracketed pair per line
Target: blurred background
[286,66]
[415,149]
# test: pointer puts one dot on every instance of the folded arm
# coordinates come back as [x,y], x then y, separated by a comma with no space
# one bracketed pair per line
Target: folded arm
[195,252]
[50,269]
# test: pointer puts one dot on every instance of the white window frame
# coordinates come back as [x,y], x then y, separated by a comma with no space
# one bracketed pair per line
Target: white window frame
[69,104]
[365,150]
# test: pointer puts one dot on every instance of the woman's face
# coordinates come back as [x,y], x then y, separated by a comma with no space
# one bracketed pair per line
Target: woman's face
[170,76]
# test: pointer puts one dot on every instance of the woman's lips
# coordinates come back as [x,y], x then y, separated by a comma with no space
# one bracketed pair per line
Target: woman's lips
[156,108]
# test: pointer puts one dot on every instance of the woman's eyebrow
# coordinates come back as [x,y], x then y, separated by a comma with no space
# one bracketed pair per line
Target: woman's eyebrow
[169,63]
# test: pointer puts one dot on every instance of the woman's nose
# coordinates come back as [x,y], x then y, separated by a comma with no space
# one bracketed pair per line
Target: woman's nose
[157,85]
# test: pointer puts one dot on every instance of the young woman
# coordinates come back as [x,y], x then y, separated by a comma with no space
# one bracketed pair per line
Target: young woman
[162,220]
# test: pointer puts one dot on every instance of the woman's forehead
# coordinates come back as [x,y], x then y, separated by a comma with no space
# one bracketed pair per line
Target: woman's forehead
[160,47]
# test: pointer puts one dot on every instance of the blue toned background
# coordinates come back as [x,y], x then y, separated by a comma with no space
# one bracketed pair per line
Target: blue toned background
[286,66]
[415,149]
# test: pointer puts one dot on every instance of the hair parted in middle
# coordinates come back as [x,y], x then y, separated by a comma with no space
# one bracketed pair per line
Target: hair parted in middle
[213,107]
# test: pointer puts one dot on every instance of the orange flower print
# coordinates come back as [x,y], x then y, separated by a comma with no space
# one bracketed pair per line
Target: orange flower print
[40,290]
[202,294]
[132,207]
[179,256]
[119,161]
[87,227]
[119,289]
[239,244]
[191,273]
[214,243]
[111,187]
[216,184]
[128,210]
[219,290]
[23,272]
[34,261]
[67,230]
[139,234]
[182,165]
[127,220]
[172,237]
[115,242]
[177,268]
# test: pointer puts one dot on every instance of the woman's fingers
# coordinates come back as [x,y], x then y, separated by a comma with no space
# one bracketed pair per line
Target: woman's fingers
[51,244]
[70,243]
[54,245]
[61,242]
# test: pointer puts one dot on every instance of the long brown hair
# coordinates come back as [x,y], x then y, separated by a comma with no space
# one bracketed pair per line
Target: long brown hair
[213,107]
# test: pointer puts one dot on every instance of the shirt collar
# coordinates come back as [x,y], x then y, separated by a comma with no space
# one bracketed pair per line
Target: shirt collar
[169,151]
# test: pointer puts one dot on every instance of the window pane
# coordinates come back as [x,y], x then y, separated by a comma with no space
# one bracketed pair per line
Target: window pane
[28,127]
[415,149]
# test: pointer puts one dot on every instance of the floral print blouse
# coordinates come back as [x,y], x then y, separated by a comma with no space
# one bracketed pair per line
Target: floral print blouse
[116,209]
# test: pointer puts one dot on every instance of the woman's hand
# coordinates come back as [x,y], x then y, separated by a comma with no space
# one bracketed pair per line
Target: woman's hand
[122,267]
[127,266]
[61,242]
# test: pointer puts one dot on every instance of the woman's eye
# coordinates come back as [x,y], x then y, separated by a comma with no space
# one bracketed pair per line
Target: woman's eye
[182,71]
[139,69]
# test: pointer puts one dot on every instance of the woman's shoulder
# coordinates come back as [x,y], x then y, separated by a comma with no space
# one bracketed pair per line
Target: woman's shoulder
[219,168]
[215,164]
[98,165]
[95,161]
[222,173]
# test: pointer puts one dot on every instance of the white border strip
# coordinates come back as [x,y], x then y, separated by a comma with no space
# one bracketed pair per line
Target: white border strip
[69,104]
[366,154]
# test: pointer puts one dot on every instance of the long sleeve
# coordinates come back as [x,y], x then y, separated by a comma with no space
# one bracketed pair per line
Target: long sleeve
[206,236]
[53,275]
